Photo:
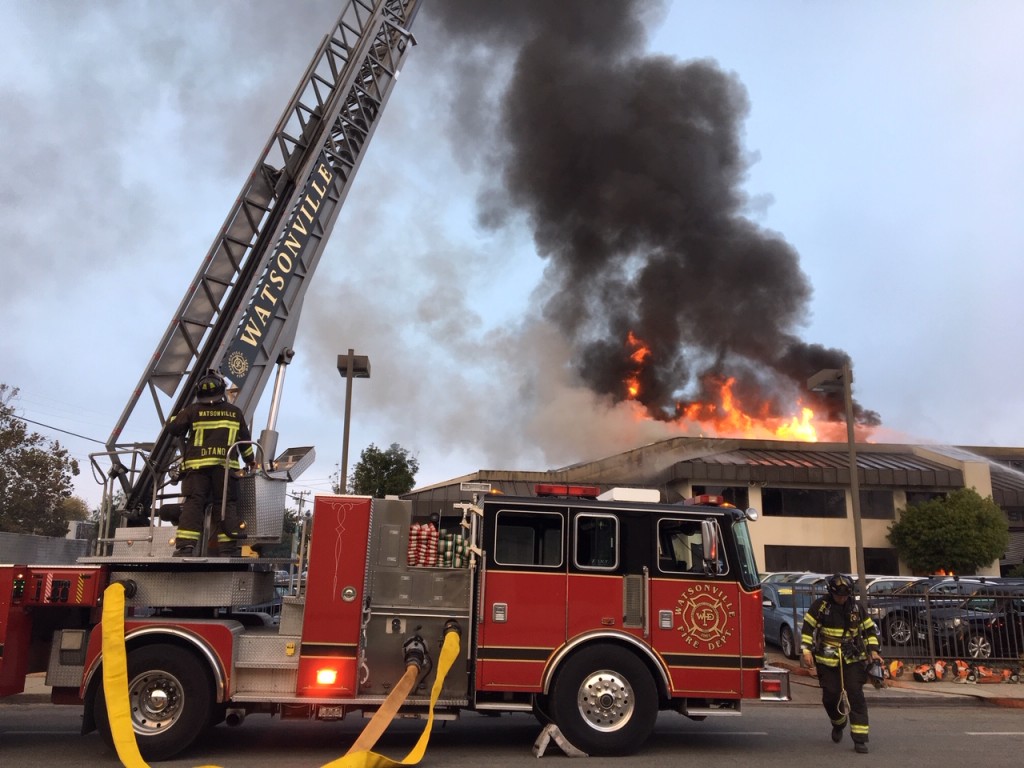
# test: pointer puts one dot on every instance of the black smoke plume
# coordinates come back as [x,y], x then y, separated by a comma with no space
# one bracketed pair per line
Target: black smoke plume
[629,168]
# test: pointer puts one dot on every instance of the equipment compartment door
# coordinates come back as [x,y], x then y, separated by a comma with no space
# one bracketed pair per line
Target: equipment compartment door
[523,597]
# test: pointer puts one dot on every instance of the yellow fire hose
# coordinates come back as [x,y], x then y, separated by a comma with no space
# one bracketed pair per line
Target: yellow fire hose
[115,689]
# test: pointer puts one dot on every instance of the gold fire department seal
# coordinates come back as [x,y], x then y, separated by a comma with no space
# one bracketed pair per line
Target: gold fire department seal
[705,612]
[238,365]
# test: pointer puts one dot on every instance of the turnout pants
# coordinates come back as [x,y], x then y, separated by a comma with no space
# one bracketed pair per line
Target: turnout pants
[201,487]
[852,677]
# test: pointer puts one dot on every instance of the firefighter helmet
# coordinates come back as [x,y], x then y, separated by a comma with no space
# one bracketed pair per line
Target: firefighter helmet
[210,388]
[839,584]
[876,674]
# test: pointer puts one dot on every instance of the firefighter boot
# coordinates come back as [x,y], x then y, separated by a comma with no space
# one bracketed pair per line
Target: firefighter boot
[860,747]
[184,550]
[837,731]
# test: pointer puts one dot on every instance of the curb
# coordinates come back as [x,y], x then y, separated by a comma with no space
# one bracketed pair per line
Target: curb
[921,694]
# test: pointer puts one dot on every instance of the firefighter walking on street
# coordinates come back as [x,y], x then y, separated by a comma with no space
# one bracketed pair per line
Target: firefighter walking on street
[837,639]
[210,426]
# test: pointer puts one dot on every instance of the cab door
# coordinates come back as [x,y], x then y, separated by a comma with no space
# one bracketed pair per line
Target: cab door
[523,595]
[600,574]
[696,617]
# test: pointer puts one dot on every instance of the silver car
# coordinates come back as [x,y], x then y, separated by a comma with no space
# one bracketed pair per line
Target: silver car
[783,607]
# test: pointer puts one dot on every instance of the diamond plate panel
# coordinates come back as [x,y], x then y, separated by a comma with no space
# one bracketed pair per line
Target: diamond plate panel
[261,503]
[130,543]
[210,589]
[267,651]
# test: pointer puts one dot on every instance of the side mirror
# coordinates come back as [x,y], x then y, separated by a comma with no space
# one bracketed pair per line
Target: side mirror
[711,540]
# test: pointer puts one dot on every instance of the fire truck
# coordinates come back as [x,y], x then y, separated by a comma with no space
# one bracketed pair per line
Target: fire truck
[591,609]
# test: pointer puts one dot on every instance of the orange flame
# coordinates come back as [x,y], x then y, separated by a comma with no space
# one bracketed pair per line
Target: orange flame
[728,418]
[640,353]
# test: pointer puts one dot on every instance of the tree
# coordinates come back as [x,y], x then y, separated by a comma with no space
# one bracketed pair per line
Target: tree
[35,476]
[383,473]
[74,508]
[956,534]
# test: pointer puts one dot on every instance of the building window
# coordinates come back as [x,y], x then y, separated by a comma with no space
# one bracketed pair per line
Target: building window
[881,561]
[738,496]
[803,502]
[528,538]
[919,497]
[815,559]
[877,505]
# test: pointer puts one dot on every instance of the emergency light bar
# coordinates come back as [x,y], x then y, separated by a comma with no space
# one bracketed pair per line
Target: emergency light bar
[707,500]
[575,491]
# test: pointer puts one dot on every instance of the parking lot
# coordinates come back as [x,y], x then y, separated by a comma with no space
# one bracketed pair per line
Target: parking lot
[921,621]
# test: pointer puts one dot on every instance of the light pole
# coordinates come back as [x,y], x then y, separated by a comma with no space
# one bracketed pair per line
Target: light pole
[832,380]
[350,366]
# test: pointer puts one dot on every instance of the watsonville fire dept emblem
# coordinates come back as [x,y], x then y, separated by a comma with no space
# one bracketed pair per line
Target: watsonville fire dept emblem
[705,614]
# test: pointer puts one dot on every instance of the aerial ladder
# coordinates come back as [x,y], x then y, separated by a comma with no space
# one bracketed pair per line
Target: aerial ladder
[240,312]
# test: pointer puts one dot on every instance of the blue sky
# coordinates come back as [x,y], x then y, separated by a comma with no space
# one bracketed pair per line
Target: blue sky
[886,147]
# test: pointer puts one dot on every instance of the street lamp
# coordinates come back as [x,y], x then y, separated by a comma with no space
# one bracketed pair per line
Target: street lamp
[835,380]
[350,366]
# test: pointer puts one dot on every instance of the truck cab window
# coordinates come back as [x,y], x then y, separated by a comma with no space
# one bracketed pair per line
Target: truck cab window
[528,538]
[597,538]
[680,546]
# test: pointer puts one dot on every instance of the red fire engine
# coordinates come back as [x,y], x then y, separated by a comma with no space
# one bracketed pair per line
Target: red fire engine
[591,611]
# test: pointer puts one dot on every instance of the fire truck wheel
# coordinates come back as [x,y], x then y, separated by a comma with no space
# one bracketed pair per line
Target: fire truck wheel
[605,701]
[788,643]
[171,700]
[542,709]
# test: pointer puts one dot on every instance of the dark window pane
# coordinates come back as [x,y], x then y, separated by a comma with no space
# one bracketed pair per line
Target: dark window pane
[803,502]
[877,505]
[597,541]
[528,538]
[815,559]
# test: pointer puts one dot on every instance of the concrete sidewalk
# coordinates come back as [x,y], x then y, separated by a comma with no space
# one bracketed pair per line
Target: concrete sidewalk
[905,691]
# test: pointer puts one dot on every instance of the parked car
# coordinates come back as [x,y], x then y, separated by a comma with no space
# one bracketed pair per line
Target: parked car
[895,613]
[988,623]
[886,585]
[783,607]
[782,577]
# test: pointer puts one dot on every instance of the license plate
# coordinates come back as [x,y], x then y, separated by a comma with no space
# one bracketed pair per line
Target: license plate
[330,713]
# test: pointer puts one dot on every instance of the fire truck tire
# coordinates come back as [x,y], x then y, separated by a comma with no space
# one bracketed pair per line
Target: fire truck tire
[787,642]
[542,709]
[605,701]
[171,700]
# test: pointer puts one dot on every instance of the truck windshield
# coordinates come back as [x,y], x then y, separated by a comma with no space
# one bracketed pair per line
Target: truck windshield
[745,554]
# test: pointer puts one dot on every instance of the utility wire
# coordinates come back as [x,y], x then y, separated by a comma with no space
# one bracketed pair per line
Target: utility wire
[58,429]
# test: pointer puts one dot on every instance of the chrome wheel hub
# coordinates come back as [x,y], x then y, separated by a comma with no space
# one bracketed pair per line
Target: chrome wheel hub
[156,701]
[605,700]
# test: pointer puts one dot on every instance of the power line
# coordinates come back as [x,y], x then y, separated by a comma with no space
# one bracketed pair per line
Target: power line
[58,429]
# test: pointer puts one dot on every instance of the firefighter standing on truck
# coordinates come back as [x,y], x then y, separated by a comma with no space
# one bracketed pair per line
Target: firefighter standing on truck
[837,638]
[211,425]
